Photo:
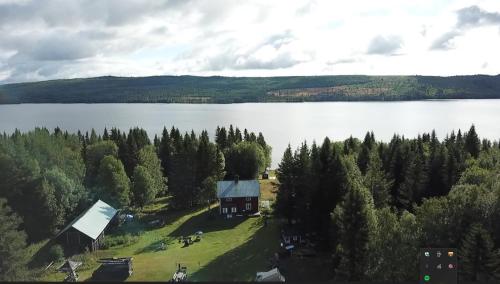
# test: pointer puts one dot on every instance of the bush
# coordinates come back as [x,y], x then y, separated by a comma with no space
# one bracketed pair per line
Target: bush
[125,240]
[55,253]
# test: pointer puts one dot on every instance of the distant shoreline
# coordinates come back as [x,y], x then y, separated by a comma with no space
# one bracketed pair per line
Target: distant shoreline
[250,102]
[225,90]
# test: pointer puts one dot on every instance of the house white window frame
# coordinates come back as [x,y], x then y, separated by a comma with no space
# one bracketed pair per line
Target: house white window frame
[224,210]
[248,206]
[234,209]
[248,198]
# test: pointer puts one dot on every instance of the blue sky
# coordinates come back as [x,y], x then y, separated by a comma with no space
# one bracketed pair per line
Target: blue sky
[43,39]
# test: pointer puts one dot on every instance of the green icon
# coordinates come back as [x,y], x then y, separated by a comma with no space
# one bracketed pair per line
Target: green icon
[427,278]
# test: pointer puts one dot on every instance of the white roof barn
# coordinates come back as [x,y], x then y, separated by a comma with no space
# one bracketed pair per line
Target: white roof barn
[91,223]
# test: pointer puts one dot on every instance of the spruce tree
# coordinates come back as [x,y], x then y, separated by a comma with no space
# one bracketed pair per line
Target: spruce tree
[377,182]
[105,135]
[477,258]
[472,142]
[355,221]
[285,198]
[364,154]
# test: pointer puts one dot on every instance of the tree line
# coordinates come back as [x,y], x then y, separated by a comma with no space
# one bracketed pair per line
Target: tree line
[374,204]
[48,178]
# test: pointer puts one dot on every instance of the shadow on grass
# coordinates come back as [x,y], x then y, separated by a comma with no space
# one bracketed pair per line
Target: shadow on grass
[207,221]
[40,258]
[141,224]
[156,246]
[243,262]
[105,274]
[307,269]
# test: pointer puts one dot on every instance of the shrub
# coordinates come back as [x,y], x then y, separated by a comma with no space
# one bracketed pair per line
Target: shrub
[55,253]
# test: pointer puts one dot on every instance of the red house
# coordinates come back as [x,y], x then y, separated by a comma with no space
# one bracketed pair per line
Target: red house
[238,197]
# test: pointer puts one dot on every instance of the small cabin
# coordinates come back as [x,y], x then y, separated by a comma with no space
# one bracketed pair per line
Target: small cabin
[238,197]
[87,230]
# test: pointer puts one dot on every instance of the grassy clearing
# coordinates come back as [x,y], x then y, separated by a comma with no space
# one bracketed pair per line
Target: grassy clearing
[268,187]
[230,250]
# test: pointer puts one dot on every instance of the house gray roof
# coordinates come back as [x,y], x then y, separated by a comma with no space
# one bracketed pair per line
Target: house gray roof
[243,188]
[93,221]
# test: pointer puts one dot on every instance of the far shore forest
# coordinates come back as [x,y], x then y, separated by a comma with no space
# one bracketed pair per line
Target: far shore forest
[371,204]
[218,89]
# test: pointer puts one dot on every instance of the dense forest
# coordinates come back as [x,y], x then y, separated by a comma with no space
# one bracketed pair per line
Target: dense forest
[217,89]
[48,178]
[374,204]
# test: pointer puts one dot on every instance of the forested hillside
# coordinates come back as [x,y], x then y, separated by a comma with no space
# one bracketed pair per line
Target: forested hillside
[193,89]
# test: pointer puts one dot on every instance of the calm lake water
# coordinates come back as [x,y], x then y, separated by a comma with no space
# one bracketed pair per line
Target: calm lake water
[281,123]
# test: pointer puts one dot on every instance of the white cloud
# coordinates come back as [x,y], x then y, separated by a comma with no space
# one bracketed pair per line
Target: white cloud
[43,39]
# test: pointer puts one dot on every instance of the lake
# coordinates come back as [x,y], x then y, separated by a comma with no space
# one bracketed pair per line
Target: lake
[281,123]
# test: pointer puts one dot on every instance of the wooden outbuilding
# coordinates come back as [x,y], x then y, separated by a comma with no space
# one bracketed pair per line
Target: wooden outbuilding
[87,230]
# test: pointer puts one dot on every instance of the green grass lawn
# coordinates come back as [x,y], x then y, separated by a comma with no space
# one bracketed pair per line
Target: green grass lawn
[230,250]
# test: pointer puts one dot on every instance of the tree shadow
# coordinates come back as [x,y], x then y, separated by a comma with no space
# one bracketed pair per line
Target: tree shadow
[156,245]
[207,221]
[243,262]
[307,269]
[255,255]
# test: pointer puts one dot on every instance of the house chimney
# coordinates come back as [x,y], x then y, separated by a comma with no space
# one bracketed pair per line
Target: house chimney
[236,179]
